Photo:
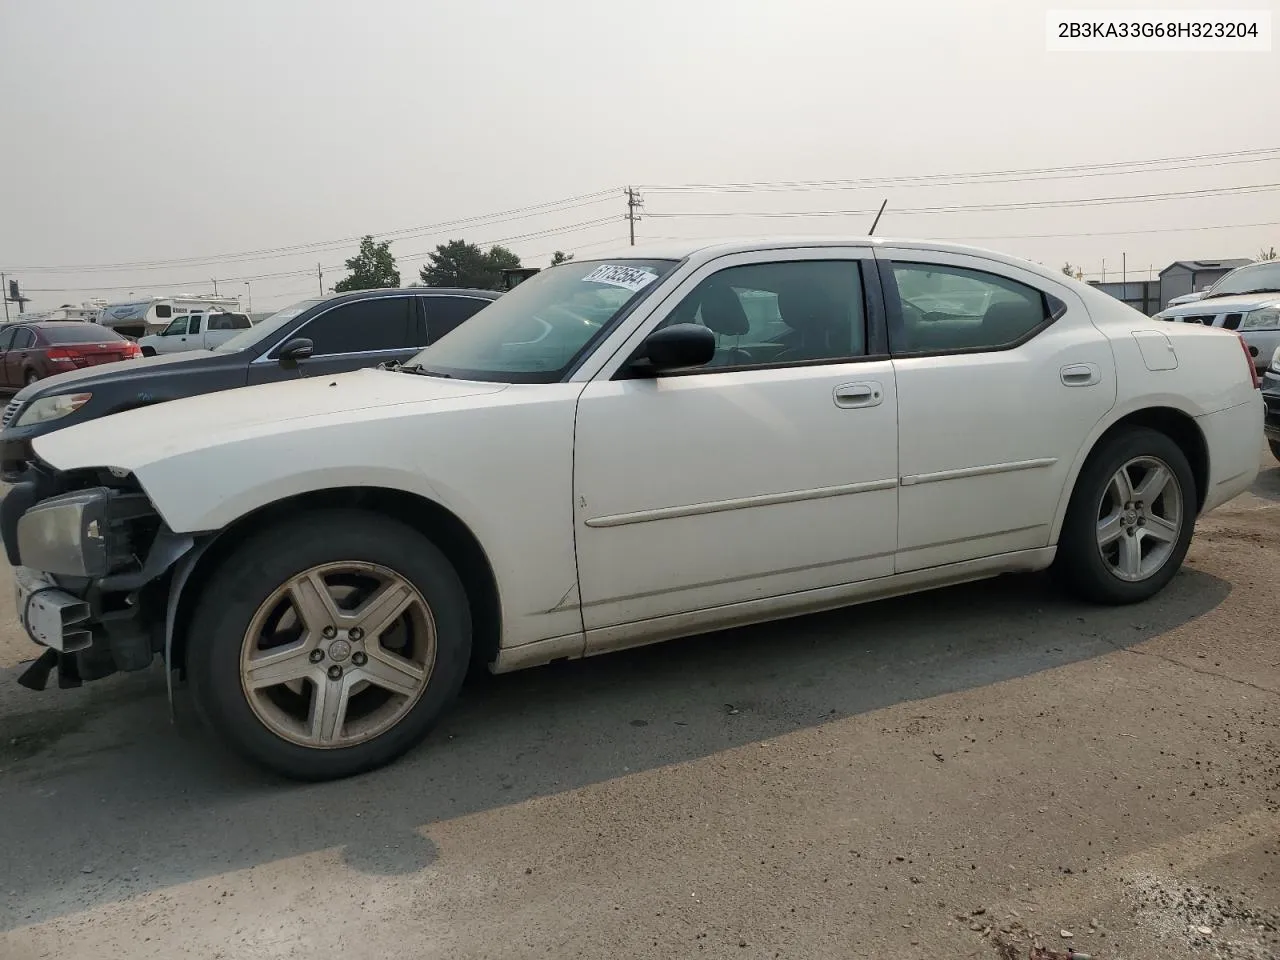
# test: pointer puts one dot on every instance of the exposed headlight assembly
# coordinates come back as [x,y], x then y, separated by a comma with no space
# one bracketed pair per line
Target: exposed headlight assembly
[85,533]
[52,408]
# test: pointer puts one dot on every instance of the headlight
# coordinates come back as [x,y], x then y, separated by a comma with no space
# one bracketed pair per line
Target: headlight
[86,533]
[52,408]
[1260,319]
[1162,315]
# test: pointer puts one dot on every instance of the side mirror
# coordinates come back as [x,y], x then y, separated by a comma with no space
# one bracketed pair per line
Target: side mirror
[675,347]
[296,349]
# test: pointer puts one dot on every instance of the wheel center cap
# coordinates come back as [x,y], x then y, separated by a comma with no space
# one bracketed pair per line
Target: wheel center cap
[1131,516]
[339,650]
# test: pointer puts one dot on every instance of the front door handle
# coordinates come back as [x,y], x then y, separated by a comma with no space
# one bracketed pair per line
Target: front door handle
[1080,374]
[867,393]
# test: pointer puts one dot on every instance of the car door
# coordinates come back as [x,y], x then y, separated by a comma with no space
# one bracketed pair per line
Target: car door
[445,313]
[1001,377]
[172,338]
[771,470]
[6,343]
[15,358]
[348,336]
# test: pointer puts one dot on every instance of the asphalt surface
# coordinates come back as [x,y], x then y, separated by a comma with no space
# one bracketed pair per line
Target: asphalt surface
[951,774]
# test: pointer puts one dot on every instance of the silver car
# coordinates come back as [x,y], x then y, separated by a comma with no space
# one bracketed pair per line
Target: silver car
[1246,300]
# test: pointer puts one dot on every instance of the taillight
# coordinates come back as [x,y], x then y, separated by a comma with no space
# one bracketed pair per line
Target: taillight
[61,354]
[132,350]
[1248,358]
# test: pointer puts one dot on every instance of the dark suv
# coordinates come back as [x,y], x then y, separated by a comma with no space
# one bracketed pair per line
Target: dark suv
[315,337]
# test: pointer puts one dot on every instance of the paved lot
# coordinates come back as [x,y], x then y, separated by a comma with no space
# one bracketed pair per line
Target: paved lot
[906,779]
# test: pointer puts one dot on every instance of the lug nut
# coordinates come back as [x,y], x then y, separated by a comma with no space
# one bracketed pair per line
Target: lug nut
[1142,522]
[329,632]
[1129,531]
[356,634]
[317,656]
[359,659]
[335,672]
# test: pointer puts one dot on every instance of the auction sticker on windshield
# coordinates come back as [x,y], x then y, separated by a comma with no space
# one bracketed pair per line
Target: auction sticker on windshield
[617,275]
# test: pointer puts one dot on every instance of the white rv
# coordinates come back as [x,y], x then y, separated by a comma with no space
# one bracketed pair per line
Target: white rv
[138,318]
[88,312]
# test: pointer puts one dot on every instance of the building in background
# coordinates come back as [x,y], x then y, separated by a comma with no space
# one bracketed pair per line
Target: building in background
[1190,276]
[1142,295]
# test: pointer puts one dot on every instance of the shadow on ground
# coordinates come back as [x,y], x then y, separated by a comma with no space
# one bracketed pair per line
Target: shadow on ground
[103,799]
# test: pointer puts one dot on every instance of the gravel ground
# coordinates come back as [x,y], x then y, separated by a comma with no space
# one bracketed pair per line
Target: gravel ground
[955,775]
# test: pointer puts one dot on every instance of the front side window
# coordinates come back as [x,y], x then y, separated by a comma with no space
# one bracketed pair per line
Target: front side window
[6,339]
[536,332]
[163,311]
[382,323]
[252,335]
[948,308]
[790,312]
[176,329]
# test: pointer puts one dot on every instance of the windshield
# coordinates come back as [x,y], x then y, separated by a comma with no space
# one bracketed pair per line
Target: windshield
[538,330]
[1256,278]
[257,332]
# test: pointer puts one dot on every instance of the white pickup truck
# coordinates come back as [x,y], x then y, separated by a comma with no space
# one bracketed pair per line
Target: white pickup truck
[202,330]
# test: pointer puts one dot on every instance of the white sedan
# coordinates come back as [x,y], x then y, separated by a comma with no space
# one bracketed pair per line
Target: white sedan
[617,452]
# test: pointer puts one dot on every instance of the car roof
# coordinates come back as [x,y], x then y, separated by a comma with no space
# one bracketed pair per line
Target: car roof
[415,291]
[47,324]
[708,249]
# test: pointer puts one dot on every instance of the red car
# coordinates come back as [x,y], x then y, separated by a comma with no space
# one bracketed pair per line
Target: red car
[30,351]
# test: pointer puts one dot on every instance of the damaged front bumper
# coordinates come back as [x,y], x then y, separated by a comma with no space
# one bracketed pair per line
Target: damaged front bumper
[92,567]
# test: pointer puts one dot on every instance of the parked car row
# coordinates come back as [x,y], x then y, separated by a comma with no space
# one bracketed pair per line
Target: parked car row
[618,451]
[311,338]
[1246,300]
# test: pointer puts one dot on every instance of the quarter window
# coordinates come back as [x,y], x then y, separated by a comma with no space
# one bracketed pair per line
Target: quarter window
[948,308]
[445,313]
[383,323]
[163,311]
[780,313]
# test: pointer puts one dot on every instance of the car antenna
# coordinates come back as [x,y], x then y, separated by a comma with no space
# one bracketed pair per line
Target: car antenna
[877,219]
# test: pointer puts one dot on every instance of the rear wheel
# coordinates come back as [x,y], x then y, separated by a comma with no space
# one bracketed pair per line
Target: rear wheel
[148,351]
[1130,519]
[30,377]
[328,646]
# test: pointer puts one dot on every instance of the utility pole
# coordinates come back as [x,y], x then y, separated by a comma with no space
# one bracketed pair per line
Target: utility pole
[215,286]
[4,292]
[1104,269]
[320,279]
[248,286]
[634,203]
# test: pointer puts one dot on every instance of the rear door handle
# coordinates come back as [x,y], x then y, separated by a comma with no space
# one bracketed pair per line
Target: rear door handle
[867,393]
[1081,374]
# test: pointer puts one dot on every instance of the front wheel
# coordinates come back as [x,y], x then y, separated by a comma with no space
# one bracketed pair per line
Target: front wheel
[329,645]
[1130,519]
[1275,448]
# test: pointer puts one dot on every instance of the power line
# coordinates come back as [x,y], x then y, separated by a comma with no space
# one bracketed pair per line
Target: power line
[1015,175]
[988,207]
[516,213]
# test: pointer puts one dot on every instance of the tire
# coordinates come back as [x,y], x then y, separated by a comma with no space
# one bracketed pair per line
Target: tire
[1092,571]
[1275,448]
[30,377]
[148,351]
[256,724]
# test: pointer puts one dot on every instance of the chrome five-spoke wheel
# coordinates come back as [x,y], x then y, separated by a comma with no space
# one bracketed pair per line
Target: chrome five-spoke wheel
[338,654]
[1140,518]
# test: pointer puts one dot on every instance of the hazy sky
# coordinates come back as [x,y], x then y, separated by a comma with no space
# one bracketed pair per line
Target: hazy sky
[154,130]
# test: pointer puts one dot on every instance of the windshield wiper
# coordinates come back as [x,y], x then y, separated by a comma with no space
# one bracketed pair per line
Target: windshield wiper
[1241,293]
[415,368]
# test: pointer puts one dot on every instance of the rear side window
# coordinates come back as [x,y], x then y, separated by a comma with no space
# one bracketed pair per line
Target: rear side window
[383,323]
[23,338]
[92,333]
[163,311]
[195,323]
[240,322]
[948,309]
[445,313]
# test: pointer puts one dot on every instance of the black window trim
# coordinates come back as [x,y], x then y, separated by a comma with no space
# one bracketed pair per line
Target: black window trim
[874,320]
[1054,310]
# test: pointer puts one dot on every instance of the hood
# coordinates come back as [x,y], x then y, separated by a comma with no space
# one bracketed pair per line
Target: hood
[138,371]
[137,437]
[1216,305]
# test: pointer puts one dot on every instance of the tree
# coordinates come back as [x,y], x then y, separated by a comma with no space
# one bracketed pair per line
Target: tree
[371,268]
[1268,254]
[560,257]
[461,264]
[1071,271]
